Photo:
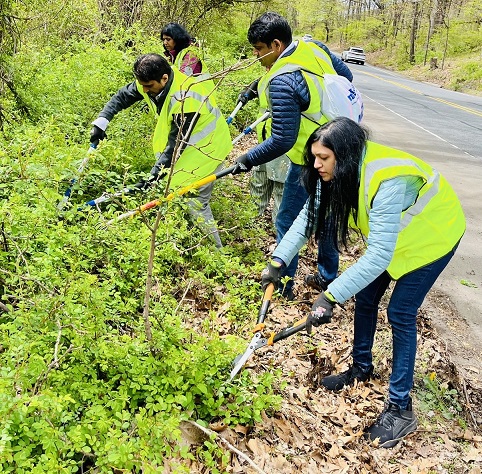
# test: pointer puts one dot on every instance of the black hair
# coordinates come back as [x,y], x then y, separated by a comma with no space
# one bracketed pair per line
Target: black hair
[268,27]
[339,197]
[151,67]
[178,33]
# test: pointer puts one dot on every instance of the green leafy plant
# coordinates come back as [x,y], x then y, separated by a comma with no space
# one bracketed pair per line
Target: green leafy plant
[468,283]
[436,396]
[83,386]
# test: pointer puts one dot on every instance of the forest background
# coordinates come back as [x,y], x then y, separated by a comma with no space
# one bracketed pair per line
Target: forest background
[111,336]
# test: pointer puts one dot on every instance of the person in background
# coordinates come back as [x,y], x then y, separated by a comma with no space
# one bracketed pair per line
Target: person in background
[412,222]
[180,49]
[290,90]
[191,134]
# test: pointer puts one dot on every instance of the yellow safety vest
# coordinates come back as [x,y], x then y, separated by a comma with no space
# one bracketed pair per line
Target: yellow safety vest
[430,227]
[209,141]
[312,62]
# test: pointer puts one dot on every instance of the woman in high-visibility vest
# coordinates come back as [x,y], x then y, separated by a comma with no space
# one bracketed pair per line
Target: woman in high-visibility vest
[412,222]
[180,49]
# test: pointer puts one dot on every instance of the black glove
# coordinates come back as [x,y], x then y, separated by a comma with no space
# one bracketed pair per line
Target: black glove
[97,134]
[321,311]
[249,93]
[162,165]
[145,184]
[271,274]
[242,165]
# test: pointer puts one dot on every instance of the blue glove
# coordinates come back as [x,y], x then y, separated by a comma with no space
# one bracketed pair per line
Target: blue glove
[242,165]
[321,311]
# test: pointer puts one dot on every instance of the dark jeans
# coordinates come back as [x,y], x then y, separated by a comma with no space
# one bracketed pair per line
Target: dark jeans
[294,198]
[407,297]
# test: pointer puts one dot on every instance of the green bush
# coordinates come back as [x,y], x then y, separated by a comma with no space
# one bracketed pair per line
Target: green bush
[82,385]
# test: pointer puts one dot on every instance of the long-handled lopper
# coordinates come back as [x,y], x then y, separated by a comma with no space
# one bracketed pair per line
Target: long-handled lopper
[80,170]
[258,339]
[251,127]
[171,196]
[238,107]
[107,197]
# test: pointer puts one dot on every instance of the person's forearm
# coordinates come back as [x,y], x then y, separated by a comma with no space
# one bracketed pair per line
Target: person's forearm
[122,99]
[294,239]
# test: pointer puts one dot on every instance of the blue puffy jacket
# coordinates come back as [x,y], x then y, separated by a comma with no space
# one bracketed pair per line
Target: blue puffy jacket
[289,96]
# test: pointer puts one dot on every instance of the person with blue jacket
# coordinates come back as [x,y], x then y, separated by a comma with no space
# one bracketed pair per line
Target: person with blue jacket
[412,222]
[291,91]
[267,180]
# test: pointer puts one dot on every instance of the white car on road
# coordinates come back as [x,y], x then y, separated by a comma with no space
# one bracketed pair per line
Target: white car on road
[355,54]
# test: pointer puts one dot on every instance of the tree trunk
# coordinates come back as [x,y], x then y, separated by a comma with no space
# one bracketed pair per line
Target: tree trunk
[413,32]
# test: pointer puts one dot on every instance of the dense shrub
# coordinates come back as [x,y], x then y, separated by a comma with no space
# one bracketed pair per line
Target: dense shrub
[81,384]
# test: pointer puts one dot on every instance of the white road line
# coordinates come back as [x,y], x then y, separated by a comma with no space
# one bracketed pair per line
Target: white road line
[419,126]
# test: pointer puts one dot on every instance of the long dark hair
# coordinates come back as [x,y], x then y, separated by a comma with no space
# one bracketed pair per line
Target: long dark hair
[178,34]
[339,197]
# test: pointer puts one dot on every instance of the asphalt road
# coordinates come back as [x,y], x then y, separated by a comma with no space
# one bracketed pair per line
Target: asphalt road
[444,128]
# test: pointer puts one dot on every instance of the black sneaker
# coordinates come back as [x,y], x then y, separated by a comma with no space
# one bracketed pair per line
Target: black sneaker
[392,425]
[317,282]
[347,378]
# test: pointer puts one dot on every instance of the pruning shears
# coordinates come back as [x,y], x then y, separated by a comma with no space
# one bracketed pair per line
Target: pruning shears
[258,339]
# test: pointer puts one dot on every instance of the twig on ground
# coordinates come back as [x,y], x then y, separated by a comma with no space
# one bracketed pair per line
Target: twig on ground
[183,296]
[228,445]
[467,403]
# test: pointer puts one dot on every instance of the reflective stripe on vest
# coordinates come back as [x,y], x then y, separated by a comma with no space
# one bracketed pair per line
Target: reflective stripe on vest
[312,62]
[209,141]
[432,185]
[430,227]
[181,96]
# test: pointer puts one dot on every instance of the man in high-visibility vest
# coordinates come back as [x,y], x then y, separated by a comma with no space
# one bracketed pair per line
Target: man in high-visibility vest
[291,90]
[191,134]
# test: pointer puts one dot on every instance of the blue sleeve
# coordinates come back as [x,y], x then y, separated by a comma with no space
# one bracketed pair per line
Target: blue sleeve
[384,225]
[296,237]
[338,65]
[288,96]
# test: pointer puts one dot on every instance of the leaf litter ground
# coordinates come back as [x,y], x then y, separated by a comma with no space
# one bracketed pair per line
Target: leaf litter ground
[317,431]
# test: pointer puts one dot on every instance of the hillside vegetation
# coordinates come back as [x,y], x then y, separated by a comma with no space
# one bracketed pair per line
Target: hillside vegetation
[115,336]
